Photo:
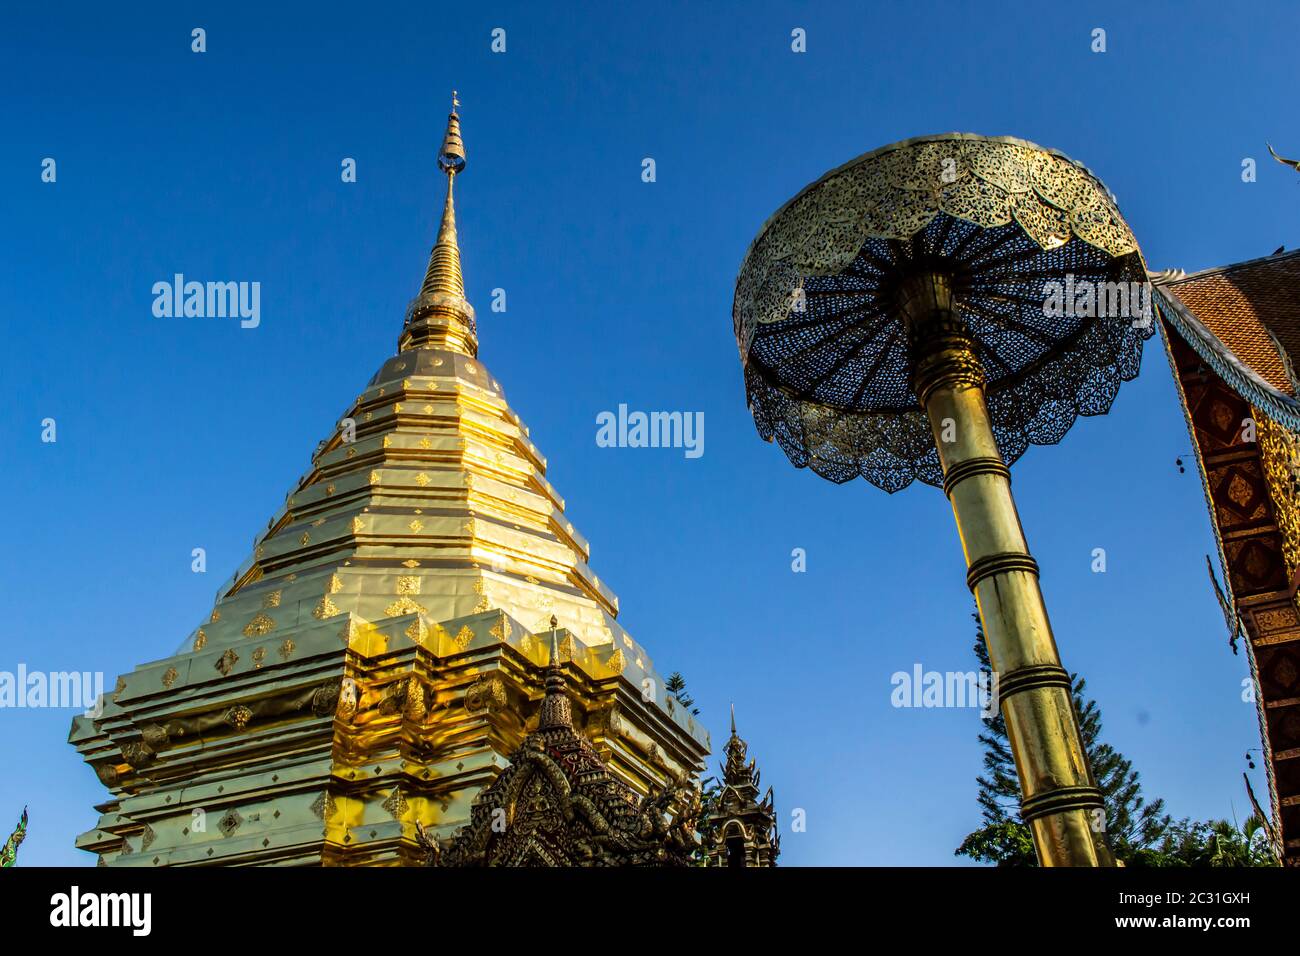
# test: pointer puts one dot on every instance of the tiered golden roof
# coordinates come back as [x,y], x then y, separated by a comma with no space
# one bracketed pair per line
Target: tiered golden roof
[376,658]
[428,497]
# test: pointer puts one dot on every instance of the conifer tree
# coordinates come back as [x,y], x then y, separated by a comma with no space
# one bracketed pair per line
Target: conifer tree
[676,685]
[1132,824]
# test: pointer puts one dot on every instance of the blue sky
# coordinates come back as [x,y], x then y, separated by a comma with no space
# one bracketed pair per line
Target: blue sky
[183,433]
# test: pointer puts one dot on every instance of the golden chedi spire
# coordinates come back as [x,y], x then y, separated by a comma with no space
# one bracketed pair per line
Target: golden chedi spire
[440,317]
[421,560]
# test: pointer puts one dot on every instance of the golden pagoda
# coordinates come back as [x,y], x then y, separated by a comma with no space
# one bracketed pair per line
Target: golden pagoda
[372,665]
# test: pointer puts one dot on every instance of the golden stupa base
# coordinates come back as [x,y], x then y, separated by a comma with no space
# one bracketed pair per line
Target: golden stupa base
[366,731]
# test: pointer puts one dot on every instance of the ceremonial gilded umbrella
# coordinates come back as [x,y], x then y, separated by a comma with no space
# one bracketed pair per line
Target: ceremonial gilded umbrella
[927,311]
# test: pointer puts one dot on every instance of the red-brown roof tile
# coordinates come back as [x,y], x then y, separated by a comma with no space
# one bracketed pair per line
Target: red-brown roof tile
[1241,304]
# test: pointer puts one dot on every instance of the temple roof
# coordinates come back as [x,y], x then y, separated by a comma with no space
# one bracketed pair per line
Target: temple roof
[738,812]
[1242,323]
[1243,320]
[558,805]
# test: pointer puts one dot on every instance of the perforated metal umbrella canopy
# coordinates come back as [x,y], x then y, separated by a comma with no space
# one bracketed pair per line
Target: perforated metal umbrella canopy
[1046,277]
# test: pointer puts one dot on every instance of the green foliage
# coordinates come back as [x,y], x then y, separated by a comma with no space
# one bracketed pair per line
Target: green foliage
[676,685]
[1217,843]
[1006,844]
[1132,824]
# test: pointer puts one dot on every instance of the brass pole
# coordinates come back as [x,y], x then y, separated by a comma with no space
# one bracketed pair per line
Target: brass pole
[1059,795]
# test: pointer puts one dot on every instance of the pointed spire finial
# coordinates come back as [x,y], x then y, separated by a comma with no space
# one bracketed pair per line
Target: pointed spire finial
[733,718]
[555,710]
[440,316]
[451,158]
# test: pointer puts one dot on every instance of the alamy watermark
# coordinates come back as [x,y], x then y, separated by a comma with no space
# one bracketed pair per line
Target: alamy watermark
[651,430]
[1110,300]
[131,911]
[56,689]
[922,688]
[208,300]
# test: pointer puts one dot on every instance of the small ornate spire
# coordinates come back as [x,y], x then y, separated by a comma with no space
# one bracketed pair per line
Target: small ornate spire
[556,711]
[735,771]
[440,316]
[744,827]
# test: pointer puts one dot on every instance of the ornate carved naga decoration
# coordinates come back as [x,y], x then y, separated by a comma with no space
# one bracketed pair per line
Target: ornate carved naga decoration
[9,853]
[558,805]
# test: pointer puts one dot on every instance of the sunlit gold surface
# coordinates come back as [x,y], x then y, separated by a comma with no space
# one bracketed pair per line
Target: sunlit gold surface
[819,331]
[376,657]
[1040,718]
[440,316]
[892,327]
[894,191]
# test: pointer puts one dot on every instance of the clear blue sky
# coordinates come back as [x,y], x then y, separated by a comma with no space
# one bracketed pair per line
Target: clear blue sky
[183,433]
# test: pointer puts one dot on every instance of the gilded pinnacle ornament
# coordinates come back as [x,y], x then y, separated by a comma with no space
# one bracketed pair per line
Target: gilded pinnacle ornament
[896,321]
[744,825]
[440,316]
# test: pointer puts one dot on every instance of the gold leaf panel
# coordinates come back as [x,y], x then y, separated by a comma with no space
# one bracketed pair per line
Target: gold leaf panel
[404,605]
[259,625]
[325,609]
